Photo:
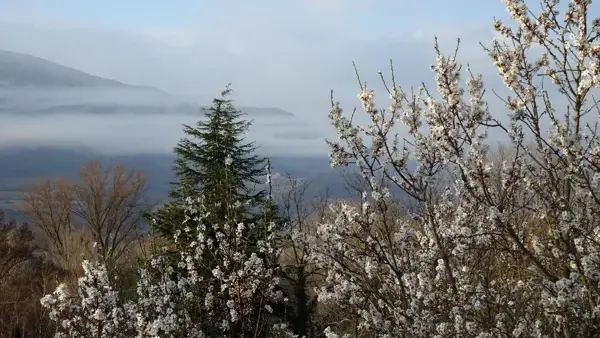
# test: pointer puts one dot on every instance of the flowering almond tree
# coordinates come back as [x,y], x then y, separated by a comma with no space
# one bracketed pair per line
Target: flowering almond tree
[493,248]
[180,302]
[94,312]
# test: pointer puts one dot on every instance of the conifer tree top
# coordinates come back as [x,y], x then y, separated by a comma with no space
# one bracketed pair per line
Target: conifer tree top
[214,160]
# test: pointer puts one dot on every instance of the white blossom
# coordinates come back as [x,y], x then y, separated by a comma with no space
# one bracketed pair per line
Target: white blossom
[181,302]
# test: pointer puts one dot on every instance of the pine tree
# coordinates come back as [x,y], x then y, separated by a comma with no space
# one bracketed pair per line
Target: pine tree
[214,161]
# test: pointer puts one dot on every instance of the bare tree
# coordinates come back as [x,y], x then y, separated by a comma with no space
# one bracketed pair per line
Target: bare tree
[16,245]
[46,205]
[110,202]
[21,278]
[104,208]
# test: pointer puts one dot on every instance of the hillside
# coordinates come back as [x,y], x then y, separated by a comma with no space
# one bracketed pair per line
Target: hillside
[18,69]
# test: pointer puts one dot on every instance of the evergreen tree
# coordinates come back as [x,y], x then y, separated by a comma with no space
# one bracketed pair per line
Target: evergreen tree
[214,161]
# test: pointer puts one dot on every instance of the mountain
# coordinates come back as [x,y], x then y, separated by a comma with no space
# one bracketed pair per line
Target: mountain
[30,85]
[20,70]
[24,165]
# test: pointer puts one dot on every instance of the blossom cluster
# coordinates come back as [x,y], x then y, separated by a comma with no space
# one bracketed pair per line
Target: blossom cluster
[218,287]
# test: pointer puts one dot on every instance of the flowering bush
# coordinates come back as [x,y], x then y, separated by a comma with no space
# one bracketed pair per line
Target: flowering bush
[179,301]
[493,248]
[95,311]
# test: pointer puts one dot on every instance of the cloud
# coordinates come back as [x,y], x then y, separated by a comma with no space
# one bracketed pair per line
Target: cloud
[129,133]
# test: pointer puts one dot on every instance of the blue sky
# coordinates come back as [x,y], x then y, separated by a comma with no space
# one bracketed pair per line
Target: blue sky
[130,14]
[141,14]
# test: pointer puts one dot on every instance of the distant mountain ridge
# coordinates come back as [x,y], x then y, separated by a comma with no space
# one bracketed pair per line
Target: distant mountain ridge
[31,85]
[24,165]
[17,69]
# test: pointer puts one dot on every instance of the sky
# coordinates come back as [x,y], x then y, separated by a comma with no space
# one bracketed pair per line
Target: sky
[285,54]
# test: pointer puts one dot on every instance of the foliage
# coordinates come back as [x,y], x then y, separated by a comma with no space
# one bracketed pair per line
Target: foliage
[298,274]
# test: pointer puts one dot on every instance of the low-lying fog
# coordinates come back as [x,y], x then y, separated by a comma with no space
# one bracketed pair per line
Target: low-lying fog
[152,133]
